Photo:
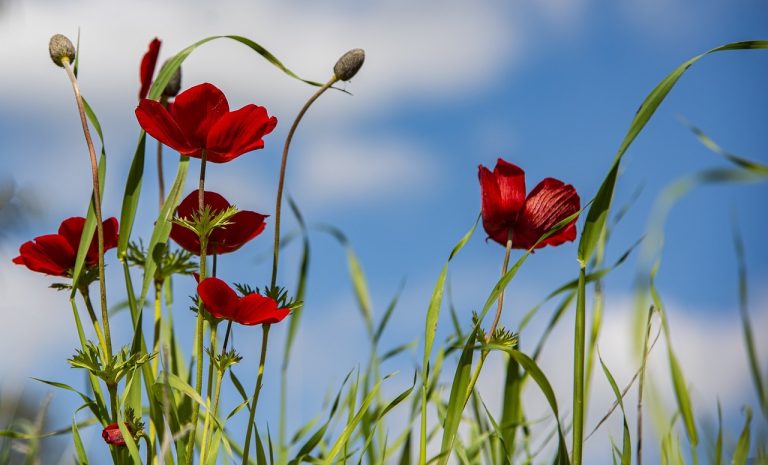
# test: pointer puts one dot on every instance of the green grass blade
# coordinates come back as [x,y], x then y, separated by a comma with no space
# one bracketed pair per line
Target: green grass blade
[749,165]
[131,196]
[749,341]
[512,407]
[433,312]
[626,448]
[342,440]
[742,447]
[596,217]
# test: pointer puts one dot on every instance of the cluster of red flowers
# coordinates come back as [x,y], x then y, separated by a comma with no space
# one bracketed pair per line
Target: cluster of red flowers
[199,124]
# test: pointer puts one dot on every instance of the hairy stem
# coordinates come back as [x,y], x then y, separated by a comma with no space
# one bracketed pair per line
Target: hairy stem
[256,391]
[96,203]
[283,164]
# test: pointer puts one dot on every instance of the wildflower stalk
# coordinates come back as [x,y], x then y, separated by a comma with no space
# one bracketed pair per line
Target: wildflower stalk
[283,164]
[504,267]
[578,369]
[158,322]
[256,391]
[200,318]
[89,306]
[96,204]
[160,177]
[217,394]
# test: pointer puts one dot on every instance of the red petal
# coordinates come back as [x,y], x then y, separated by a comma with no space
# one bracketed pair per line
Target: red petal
[72,230]
[191,203]
[245,225]
[197,109]
[503,195]
[185,238]
[255,309]
[112,435]
[239,132]
[219,299]
[550,202]
[155,119]
[147,69]
[110,241]
[50,254]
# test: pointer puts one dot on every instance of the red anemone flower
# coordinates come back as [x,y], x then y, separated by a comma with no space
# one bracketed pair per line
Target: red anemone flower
[199,119]
[112,435]
[55,254]
[147,69]
[244,226]
[253,309]
[506,210]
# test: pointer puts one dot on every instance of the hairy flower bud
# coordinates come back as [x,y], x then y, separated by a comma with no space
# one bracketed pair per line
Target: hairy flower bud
[174,85]
[349,64]
[61,48]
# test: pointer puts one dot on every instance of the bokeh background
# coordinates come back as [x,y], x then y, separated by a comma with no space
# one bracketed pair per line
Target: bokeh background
[550,85]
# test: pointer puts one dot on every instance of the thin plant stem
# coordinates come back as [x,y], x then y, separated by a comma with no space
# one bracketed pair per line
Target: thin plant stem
[283,164]
[501,293]
[160,177]
[96,202]
[256,391]
[200,318]
[92,314]
[208,427]
[578,369]
[158,321]
[641,385]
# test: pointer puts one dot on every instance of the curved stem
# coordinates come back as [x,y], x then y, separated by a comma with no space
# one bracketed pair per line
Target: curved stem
[283,164]
[96,203]
[256,392]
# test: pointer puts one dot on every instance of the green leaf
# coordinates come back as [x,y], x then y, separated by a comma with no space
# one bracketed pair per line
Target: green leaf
[742,447]
[596,217]
[626,448]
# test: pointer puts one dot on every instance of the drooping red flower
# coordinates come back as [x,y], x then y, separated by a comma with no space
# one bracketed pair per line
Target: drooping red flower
[147,69]
[112,435]
[55,254]
[244,226]
[199,119]
[253,309]
[505,207]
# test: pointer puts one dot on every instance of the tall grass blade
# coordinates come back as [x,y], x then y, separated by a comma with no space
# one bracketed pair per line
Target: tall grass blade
[742,447]
[626,447]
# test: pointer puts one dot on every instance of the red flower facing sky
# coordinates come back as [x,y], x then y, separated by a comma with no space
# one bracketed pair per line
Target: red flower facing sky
[55,254]
[112,435]
[199,119]
[244,226]
[253,309]
[147,69]
[505,207]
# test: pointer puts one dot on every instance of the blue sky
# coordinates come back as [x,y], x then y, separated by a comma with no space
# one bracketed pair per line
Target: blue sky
[550,86]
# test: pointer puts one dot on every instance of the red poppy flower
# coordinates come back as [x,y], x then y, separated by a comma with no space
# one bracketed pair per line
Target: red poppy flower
[55,254]
[147,69]
[112,435]
[200,120]
[253,309]
[244,226]
[505,207]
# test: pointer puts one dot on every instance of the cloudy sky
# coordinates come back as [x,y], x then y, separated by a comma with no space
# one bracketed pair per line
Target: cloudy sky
[550,85]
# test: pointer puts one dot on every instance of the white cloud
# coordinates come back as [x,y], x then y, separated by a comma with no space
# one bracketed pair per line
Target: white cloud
[353,172]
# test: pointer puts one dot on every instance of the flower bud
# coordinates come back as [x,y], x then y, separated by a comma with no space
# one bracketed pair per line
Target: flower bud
[349,64]
[174,85]
[60,49]
[112,435]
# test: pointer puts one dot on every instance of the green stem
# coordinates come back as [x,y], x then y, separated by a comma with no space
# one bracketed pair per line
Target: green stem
[92,314]
[96,203]
[578,369]
[160,177]
[200,319]
[256,391]
[504,267]
[158,322]
[81,336]
[208,427]
[281,179]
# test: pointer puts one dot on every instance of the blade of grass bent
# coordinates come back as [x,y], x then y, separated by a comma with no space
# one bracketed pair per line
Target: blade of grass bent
[597,215]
